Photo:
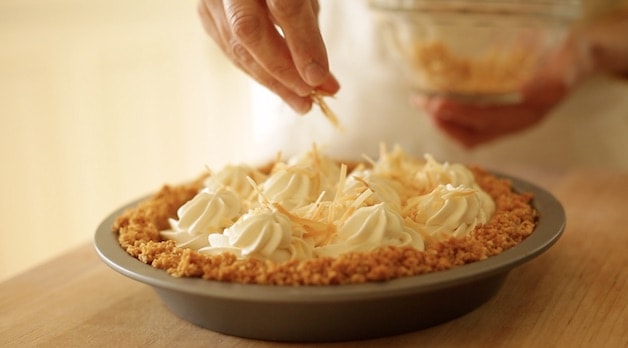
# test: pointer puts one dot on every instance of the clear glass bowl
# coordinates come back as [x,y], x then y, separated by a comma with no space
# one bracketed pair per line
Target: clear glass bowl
[477,50]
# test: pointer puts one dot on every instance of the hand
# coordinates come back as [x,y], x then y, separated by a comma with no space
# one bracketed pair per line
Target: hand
[472,124]
[475,124]
[277,42]
[599,46]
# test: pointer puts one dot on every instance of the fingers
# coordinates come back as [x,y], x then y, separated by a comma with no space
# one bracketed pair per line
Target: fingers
[298,21]
[467,137]
[291,63]
[472,125]
[464,128]
[255,36]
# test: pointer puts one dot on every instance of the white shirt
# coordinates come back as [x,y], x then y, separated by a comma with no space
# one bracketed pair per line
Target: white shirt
[373,105]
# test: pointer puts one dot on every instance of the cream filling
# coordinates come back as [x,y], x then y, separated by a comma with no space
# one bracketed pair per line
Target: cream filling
[310,206]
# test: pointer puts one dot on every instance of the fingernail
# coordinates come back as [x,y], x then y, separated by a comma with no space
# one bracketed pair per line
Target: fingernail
[300,105]
[330,86]
[303,91]
[315,74]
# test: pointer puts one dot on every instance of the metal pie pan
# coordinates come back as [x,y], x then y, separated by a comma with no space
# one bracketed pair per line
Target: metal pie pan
[337,312]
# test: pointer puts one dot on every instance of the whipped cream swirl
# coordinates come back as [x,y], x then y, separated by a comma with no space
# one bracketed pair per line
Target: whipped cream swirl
[290,187]
[384,189]
[235,178]
[208,212]
[434,174]
[371,227]
[265,235]
[450,210]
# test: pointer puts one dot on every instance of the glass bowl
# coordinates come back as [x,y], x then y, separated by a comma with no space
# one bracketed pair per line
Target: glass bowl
[479,50]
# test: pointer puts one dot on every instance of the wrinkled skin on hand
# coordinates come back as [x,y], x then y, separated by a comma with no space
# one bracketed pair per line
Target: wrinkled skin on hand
[277,42]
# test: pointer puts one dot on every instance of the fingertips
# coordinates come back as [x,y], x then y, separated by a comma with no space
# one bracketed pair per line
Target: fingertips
[314,74]
[299,104]
[437,106]
[330,86]
[467,137]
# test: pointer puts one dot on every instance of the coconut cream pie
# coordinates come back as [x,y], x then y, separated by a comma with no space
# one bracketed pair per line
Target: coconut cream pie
[312,220]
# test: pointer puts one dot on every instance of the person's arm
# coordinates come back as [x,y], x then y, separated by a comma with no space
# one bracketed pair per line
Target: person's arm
[277,42]
[595,47]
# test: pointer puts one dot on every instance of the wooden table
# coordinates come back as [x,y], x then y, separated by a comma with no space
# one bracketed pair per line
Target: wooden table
[575,294]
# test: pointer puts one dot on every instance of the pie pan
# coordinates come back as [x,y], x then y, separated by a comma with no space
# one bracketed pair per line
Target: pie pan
[337,312]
